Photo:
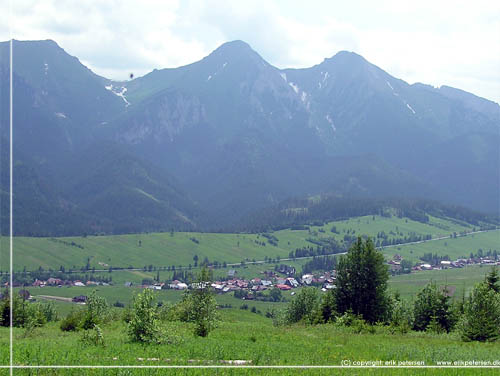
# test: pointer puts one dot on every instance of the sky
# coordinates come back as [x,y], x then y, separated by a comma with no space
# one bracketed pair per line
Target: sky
[454,43]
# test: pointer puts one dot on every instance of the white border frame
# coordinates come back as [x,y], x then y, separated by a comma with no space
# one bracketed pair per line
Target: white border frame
[11,366]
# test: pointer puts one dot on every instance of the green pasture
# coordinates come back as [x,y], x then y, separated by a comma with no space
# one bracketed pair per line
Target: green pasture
[455,248]
[243,335]
[178,248]
[460,280]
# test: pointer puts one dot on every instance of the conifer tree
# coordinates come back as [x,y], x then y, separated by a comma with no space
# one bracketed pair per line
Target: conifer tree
[492,279]
[481,319]
[362,282]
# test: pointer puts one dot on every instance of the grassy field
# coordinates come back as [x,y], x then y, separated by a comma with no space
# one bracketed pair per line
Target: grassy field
[453,247]
[408,285]
[166,249]
[243,335]
[125,295]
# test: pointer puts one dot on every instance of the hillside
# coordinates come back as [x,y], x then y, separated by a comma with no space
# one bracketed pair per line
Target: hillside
[179,248]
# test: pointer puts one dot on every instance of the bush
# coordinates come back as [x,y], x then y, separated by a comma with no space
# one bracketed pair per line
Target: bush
[49,311]
[202,305]
[25,313]
[401,319]
[93,336]
[144,323]
[304,307]
[73,321]
[355,323]
[97,311]
[127,315]
[481,318]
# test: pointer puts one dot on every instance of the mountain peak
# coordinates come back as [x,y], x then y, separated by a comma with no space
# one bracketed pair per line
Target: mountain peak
[234,45]
[347,57]
[235,49]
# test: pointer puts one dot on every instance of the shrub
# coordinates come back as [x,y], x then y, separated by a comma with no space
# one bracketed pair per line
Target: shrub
[144,323]
[25,313]
[355,323]
[481,318]
[97,311]
[49,311]
[202,305]
[304,307]
[73,321]
[401,319]
[93,336]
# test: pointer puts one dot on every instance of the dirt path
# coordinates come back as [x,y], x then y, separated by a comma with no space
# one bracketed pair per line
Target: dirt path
[58,298]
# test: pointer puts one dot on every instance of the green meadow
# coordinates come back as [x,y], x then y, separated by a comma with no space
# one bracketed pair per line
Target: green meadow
[453,247]
[180,248]
[242,335]
[461,280]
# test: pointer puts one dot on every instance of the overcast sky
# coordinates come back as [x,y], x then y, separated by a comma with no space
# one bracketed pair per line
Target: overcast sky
[438,42]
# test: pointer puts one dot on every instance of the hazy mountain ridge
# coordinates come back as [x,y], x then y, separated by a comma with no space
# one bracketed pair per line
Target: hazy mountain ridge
[238,134]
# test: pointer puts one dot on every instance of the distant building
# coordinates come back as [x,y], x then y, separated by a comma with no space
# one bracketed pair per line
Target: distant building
[283,287]
[79,299]
[307,279]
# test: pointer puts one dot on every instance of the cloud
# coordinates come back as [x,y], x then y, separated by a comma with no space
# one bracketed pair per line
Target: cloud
[445,42]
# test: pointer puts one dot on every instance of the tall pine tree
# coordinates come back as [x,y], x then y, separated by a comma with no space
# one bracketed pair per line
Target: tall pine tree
[362,282]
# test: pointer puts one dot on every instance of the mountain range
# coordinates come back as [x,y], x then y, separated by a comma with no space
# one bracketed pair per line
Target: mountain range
[206,145]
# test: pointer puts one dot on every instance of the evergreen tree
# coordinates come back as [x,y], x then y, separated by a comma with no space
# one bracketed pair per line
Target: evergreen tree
[433,304]
[481,319]
[362,282]
[328,307]
[492,280]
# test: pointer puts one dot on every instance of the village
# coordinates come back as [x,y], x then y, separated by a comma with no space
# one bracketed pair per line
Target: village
[283,278]
[396,263]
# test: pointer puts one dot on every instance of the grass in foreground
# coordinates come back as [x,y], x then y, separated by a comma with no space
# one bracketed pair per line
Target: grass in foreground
[243,336]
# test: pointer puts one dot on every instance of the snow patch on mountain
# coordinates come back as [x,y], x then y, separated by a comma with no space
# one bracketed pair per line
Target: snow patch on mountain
[120,94]
[388,84]
[330,121]
[209,77]
[46,68]
[283,76]
[411,109]
[60,115]
[294,87]
[323,83]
